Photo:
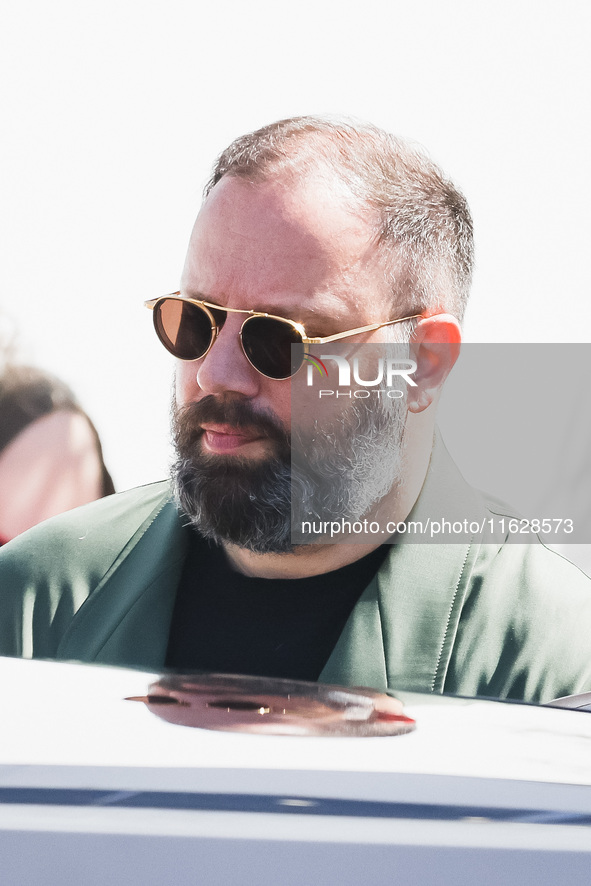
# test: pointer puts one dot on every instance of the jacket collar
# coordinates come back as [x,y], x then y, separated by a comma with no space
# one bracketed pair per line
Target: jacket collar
[401,633]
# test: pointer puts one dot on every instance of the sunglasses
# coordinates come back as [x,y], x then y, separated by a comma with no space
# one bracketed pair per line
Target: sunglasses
[274,346]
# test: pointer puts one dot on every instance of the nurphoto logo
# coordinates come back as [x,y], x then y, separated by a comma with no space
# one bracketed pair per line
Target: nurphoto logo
[386,371]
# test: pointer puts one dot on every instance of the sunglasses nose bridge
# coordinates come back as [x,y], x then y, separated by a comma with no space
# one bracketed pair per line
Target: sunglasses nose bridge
[225,331]
[225,366]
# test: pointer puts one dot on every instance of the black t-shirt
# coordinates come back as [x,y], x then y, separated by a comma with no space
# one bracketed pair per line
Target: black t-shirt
[227,622]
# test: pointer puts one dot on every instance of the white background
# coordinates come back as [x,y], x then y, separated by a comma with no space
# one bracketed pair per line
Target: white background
[112,113]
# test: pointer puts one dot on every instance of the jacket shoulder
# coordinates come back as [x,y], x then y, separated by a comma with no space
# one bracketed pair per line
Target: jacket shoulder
[48,572]
[94,530]
[527,621]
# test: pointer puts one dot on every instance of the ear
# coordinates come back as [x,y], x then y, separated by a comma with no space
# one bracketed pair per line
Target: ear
[435,347]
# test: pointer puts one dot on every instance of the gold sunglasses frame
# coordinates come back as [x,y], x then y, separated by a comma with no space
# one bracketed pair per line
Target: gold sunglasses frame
[306,339]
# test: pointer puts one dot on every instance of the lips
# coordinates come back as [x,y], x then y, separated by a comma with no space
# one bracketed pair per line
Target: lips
[225,437]
[216,426]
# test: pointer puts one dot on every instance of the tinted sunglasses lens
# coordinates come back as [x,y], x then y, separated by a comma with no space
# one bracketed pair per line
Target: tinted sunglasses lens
[183,328]
[268,345]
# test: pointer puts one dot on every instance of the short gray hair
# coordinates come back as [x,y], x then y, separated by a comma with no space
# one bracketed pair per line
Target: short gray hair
[422,221]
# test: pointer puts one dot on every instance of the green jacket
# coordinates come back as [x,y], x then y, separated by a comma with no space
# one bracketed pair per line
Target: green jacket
[493,619]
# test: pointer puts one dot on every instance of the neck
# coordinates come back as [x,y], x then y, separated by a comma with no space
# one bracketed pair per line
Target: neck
[304,561]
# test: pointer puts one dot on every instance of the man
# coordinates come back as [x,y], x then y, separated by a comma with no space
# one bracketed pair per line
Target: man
[311,231]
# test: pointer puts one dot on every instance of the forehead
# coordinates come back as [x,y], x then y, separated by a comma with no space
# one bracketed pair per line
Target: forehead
[281,246]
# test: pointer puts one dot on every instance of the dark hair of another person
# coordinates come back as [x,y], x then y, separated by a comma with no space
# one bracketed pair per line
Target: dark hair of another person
[26,394]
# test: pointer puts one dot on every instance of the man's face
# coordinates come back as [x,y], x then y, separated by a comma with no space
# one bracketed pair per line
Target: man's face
[295,251]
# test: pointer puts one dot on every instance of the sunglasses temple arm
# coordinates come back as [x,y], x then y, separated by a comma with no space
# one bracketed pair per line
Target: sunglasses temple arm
[360,329]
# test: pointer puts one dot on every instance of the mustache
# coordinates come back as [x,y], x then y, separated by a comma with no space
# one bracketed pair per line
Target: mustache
[187,420]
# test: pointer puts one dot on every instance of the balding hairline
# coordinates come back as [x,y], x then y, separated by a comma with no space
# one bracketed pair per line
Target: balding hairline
[421,221]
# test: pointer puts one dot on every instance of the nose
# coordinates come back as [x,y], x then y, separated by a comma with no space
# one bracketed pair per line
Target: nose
[225,368]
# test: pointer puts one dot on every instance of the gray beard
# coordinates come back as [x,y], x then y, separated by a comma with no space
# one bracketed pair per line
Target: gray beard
[323,474]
